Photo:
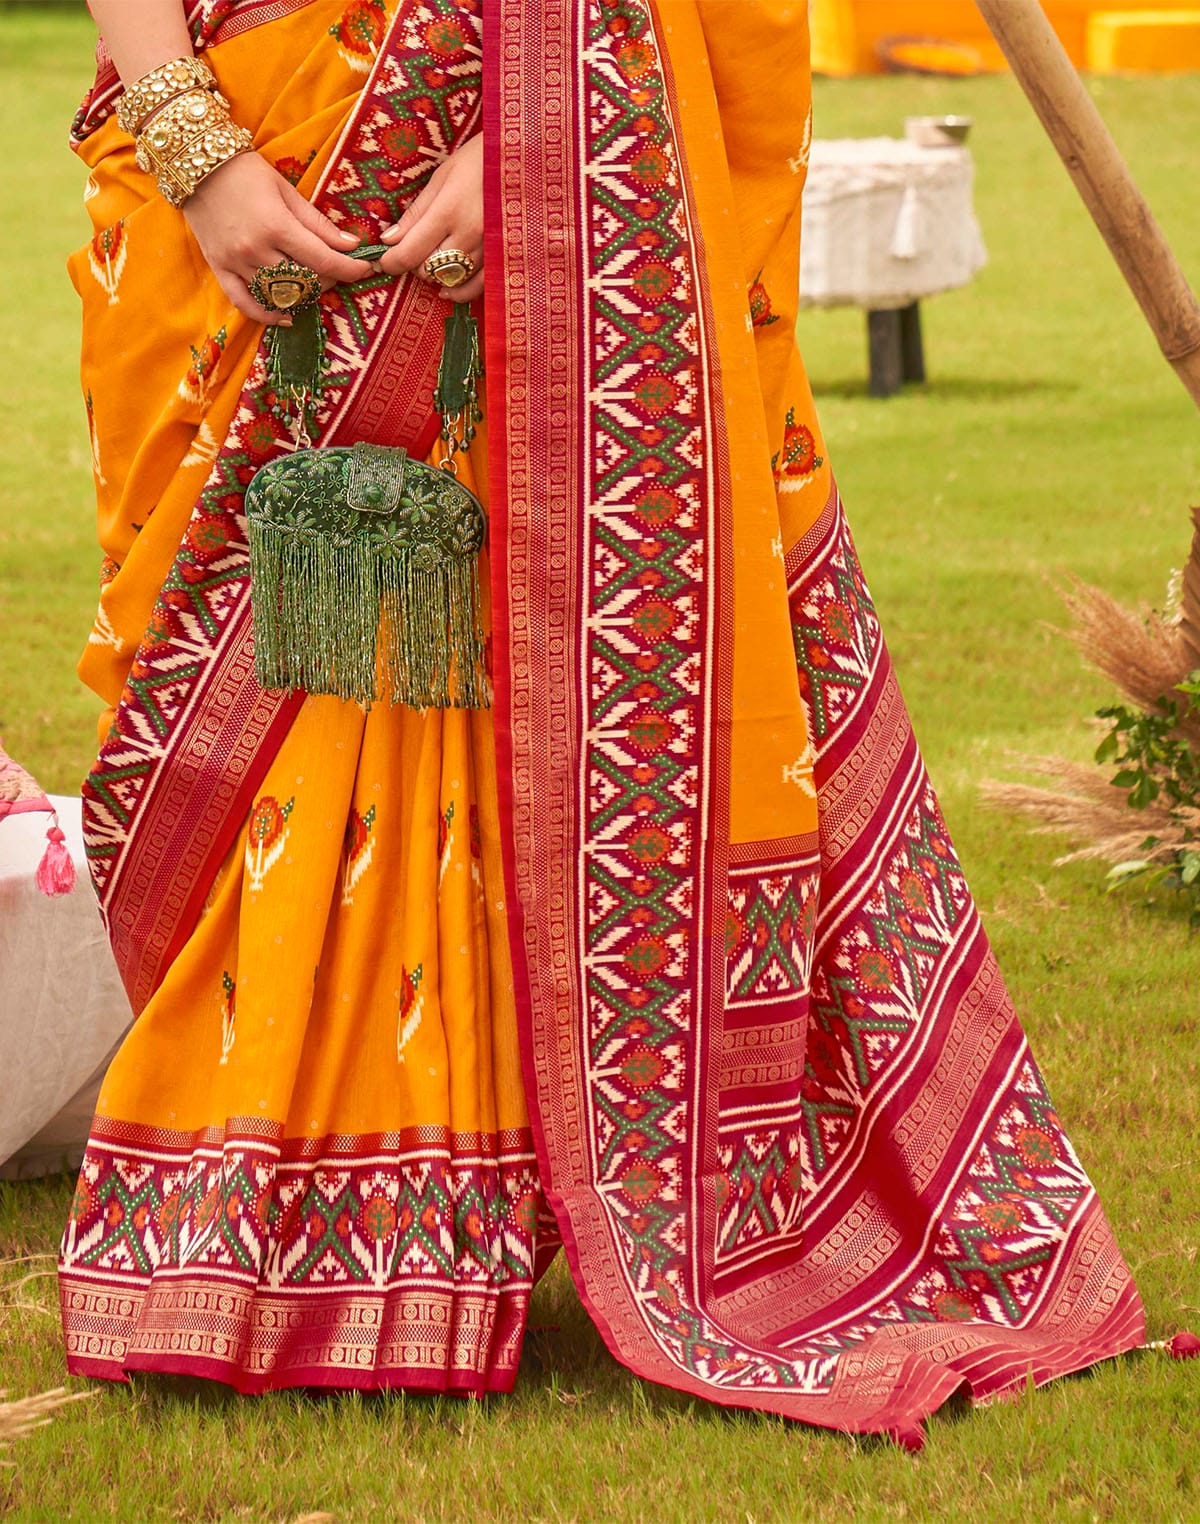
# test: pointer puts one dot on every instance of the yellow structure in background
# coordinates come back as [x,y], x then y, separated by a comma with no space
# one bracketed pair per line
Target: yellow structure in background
[1144,42]
[853,36]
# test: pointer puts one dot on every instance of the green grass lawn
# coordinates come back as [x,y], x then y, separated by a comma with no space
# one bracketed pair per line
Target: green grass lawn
[1051,438]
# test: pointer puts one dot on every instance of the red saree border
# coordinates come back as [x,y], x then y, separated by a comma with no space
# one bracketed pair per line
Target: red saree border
[553,1054]
[194,734]
[402,1259]
[256,1132]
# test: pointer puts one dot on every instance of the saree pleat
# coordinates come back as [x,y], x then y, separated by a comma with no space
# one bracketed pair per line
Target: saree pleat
[673,940]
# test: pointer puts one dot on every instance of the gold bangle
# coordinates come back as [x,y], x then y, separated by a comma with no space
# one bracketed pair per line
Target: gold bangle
[186,140]
[159,86]
[180,122]
[177,180]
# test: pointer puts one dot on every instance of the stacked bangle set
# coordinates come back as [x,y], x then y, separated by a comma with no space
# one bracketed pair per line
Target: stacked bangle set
[182,125]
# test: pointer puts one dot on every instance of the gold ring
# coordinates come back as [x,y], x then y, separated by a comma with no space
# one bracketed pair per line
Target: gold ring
[449,267]
[285,287]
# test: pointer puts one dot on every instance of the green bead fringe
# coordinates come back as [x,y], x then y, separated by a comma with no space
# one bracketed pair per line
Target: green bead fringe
[343,619]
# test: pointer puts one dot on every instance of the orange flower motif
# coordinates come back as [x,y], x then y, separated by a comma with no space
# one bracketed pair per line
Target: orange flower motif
[635,57]
[953,1307]
[411,1005]
[82,1201]
[798,461]
[202,371]
[359,33]
[106,258]
[445,37]
[266,837]
[875,969]
[761,315]
[525,1213]
[379,1216]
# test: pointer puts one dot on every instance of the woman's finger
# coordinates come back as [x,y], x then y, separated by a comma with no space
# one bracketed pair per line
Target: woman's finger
[414,211]
[306,248]
[238,293]
[318,223]
[430,234]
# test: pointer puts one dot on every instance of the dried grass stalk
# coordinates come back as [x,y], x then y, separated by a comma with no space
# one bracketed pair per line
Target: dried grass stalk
[26,1413]
[1189,620]
[1140,652]
[1087,805]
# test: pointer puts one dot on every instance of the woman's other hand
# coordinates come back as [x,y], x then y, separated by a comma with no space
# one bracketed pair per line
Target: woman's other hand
[448,214]
[246,215]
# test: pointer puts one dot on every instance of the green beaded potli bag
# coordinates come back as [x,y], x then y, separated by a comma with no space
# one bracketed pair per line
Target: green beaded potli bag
[364,563]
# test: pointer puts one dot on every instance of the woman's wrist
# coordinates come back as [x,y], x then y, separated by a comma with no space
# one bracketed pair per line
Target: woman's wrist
[186,139]
[182,125]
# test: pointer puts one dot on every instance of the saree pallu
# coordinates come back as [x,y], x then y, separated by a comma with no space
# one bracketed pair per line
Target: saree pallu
[779,1105]
[787,1121]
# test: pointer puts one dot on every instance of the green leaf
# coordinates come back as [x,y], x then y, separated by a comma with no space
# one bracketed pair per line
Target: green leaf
[1145,792]
[1120,872]
[1107,749]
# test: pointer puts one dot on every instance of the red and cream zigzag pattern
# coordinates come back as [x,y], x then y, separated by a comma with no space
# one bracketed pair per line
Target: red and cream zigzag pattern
[401,1259]
[827,1182]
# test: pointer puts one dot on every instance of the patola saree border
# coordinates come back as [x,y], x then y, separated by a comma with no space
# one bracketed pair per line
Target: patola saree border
[991,1260]
[209,1255]
[193,733]
[555,757]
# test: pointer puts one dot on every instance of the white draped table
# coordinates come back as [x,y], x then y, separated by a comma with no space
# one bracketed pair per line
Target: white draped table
[886,223]
[62,1005]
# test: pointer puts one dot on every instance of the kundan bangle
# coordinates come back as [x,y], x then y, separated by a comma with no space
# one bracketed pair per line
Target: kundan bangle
[186,140]
[154,89]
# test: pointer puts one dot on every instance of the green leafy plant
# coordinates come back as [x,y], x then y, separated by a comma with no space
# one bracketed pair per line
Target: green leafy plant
[1158,761]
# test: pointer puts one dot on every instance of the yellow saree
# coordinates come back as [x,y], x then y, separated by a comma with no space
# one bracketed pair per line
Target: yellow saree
[686,888]
[329,1039]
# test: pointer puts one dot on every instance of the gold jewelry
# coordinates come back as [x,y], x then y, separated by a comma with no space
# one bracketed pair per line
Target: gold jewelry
[449,267]
[285,287]
[160,85]
[186,140]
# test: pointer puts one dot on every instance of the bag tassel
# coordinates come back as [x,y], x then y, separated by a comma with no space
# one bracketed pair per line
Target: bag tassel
[56,871]
[364,578]
[345,620]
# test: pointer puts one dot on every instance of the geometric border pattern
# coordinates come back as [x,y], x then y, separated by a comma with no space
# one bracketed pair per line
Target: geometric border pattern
[404,1259]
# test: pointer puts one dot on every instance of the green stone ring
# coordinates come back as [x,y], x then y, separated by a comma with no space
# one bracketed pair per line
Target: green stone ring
[285,287]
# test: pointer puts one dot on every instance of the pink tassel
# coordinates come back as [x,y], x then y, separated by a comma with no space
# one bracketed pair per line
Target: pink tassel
[56,871]
[1184,1346]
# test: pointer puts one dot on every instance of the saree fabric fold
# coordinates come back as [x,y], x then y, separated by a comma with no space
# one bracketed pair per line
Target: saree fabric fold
[669,953]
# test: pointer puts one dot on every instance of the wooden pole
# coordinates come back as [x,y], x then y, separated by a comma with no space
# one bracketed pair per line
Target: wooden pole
[1102,178]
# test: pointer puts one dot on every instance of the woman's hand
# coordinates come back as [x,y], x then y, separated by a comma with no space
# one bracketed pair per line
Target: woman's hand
[448,214]
[245,215]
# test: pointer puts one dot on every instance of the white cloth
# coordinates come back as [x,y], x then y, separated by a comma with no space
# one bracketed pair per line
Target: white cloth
[886,222]
[62,1005]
